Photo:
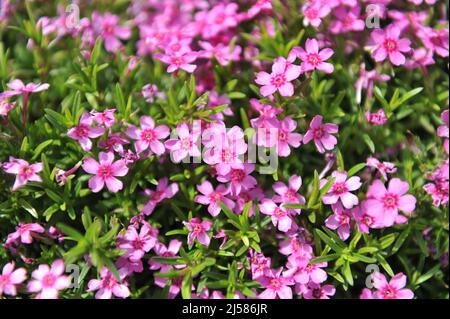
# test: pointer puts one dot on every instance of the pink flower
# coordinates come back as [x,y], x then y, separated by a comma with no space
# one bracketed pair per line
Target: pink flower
[198,230]
[363,220]
[267,114]
[347,20]
[280,78]
[24,171]
[366,81]
[314,11]
[388,44]
[435,39]
[84,131]
[279,215]
[162,251]
[18,87]
[105,118]
[107,26]
[222,53]
[185,145]
[394,289]
[163,191]
[5,106]
[259,264]
[316,291]
[383,168]
[220,18]
[258,7]
[48,281]
[378,118]
[212,197]
[340,190]
[321,134]
[288,194]
[25,232]
[108,285]
[286,137]
[9,278]
[303,271]
[105,171]
[443,130]
[383,204]
[180,60]
[342,220]
[137,244]
[313,59]
[149,136]
[150,92]
[239,178]
[275,285]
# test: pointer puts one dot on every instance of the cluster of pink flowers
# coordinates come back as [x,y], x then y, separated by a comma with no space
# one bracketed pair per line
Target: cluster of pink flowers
[394,289]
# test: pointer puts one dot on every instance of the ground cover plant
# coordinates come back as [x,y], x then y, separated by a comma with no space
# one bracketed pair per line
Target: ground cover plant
[224,149]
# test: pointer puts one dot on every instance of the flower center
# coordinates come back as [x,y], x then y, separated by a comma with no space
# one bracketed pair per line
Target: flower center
[390,45]
[317,293]
[82,131]
[390,200]
[237,175]
[227,156]
[186,143]
[339,188]
[275,283]
[389,292]
[313,59]
[104,171]
[197,229]
[279,212]
[278,80]
[318,133]
[109,282]
[48,280]
[282,136]
[311,14]
[147,135]
[216,196]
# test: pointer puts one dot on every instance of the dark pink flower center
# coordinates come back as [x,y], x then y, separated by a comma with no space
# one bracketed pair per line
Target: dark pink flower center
[82,131]
[186,143]
[48,280]
[215,197]
[290,195]
[279,213]
[390,200]
[109,282]
[104,171]
[278,80]
[197,229]
[275,283]
[227,156]
[26,171]
[313,59]
[318,133]
[388,292]
[4,280]
[317,293]
[138,244]
[282,135]
[148,135]
[311,14]
[339,188]
[237,175]
[390,45]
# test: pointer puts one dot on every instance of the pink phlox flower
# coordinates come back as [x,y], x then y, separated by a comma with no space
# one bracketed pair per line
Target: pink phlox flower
[363,220]
[24,171]
[105,118]
[150,92]
[267,114]
[215,100]
[212,197]
[313,59]
[84,131]
[347,20]
[244,197]
[170,251]
[296,246]
[47,281]
[280,79]
[198,229]
[114,142]
[276,286]
[105,171]
[366,81]
[137,243]
[10,278]
[220,18]
[317,291]
[148,135]
[17,87]
[383,168]
[5,105]
[179,61]
[377,118]
[184,144]
[222,53]
[260,6]
[303,271]
[394,289]
[443,130]
[341,190]
[279,215]
[388,44]
[239,178]
[108,285]
[259,264]
[420,58]
[321,134]
[314,11]
[107,26]
[384,204]
[341,219]
[288,194]
[25,232]
[163,191]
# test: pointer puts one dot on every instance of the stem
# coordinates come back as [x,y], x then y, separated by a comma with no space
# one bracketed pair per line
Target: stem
[24,109]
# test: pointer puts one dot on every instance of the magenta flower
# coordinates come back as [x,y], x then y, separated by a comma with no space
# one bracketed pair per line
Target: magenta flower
[148,136]
[275,285]
[280,78]
[150,92]
[383,204]
[303,272]
[316,291]
[259,264]
[342,220]
[180,60]
[24,171]
[105,118]
[105,171]
[321,134]
[383,168]
[5,105]
[286,137]
[108,285]
[198,229]
[48,281]
[163,191]
[366,81]
[162,251]
[19,88]
[279,215]
[314,11]
[84,131]
[9,278]
[363,220]
[378,118]
[239,178]
[107,26]
[340,190]
[212,197]
[185,145]
[288,194]
[267,114]
[25,232]
[222,53]
[388,44]
[347,20]
[137,244]
[313,59]
[394,289]
[443,130]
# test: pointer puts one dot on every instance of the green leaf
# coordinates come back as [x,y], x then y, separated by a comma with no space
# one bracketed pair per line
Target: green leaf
[355,169]
[231,215]
[369,142]
[385,265]
[71,232]
[27,206]
[38,150]
[327,240]
[186,286]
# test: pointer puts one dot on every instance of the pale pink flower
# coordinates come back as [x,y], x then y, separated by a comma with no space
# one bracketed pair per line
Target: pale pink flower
[220,18]
[198,229]
[313,59]
[347,20]
[286,137]
[108,285]
[212,197]
[366,294]
[279,215]
[148,136]
[107,26]
[150,92]
[363,220]
[280,78]
[105,118]
[179,61]
[342,220]
[48,281]
[162,251]
[260,6]
[5,105]
[378,118]
[163,191]
[341,190]
[314,11]
[84,131]
[296,246]
[105,171]
[435,39]
[24,171]
[267,114]
[25,232]
[239,178]
[222,53]
[259,264]
[10,278]
[137,244]
[383,204]
[383,168]
[388,44]
[394,289]
[186,143]
[17,87]
[275,285]
[321,134]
